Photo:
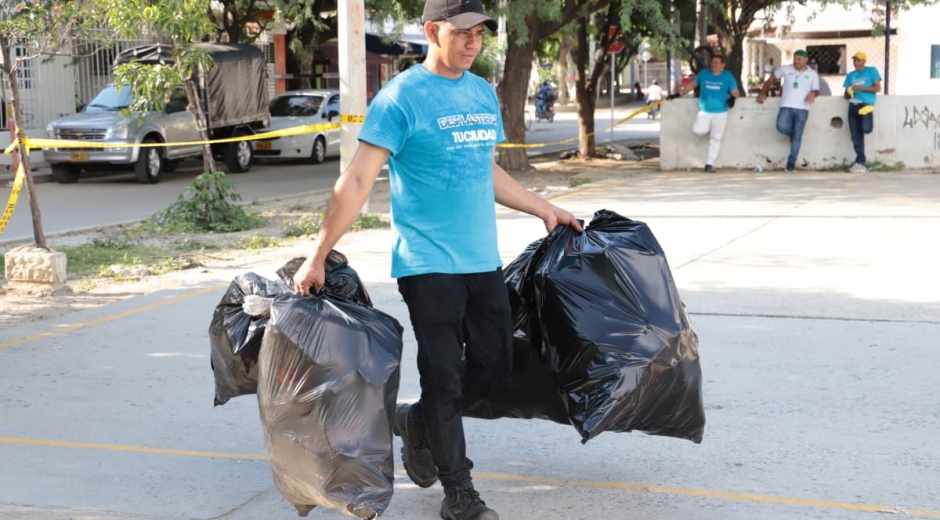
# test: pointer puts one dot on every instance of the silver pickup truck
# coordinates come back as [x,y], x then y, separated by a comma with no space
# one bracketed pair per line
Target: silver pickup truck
[233,94]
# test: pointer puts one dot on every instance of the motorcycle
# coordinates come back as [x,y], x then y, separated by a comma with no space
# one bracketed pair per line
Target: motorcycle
[545,110]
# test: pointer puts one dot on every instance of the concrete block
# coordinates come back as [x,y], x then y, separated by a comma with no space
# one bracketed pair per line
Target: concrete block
[35,270]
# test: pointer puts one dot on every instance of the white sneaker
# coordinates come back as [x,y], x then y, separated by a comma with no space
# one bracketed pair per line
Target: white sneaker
[858,168]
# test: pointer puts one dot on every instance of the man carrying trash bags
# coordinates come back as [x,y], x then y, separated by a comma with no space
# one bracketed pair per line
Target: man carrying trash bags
[443,178]
[490,343]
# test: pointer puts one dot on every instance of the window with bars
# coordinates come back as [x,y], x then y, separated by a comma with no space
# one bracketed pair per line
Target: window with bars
[935,62]
[828,59]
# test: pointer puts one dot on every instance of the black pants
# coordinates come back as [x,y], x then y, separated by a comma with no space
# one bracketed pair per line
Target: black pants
[463,326]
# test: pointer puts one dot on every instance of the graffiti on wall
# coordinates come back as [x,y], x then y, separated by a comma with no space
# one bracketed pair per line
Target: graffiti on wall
[916,118]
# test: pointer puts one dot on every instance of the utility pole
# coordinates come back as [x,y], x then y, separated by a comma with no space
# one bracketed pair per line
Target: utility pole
[887,46]
[352,78]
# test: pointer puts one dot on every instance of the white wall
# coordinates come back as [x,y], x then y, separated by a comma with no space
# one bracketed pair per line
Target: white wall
[916,34]
[907,129]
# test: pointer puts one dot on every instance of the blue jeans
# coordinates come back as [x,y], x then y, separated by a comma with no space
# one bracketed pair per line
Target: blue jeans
[791,122]
[859,126]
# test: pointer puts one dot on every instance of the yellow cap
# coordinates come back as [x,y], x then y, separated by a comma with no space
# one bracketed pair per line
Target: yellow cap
[860,56]
[865,110]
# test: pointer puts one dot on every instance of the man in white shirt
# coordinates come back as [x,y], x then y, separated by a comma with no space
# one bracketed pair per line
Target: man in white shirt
[800,85]
[654,93]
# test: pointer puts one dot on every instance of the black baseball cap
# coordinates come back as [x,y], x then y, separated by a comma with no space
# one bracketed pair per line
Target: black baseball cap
[463,14]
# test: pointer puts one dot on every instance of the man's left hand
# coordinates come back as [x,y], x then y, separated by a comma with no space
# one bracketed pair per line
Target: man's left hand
[811,97]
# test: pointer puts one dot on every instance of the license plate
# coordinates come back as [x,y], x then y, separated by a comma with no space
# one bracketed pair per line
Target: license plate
[79,156]
[263,145]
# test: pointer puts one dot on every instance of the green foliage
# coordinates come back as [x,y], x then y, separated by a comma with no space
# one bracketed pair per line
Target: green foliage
[304,226]
[487,63]
[207,204]
[574,182]
[191,244]
[94,260]
[370,221]
[173,264]
[878,166]
[308,225]
[257,241]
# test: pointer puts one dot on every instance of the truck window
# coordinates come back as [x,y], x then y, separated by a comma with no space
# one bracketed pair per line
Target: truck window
[285,106]
[110,99]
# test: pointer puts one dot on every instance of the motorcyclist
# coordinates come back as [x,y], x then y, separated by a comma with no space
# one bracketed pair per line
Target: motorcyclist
[544,98]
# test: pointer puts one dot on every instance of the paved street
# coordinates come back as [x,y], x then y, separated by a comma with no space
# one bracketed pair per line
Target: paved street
[815,298]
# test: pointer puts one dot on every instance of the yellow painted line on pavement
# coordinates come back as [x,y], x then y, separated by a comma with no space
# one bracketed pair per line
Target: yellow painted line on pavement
[76,326]
[721,495]
[526,479]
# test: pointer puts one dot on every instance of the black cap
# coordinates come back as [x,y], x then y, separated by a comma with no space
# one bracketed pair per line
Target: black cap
[463,14]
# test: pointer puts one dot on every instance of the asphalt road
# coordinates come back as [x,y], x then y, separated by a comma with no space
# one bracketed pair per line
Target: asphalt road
[106,200]
[814,297]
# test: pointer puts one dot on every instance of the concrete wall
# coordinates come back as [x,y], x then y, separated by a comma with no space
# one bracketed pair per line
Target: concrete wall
[907,129]
[917,33]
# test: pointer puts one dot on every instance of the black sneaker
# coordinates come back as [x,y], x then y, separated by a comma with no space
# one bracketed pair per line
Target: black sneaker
[464,503]
[709,168]
[791,168]
[415,449]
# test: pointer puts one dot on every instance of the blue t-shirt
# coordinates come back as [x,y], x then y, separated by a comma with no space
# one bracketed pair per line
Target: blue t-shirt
[714,91]
[863,78]
[442,134]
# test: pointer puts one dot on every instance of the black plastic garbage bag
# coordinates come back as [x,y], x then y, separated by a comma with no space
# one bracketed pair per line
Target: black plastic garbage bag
[341,280]
[235,335]
[327,384]
[532,390]
[621,342]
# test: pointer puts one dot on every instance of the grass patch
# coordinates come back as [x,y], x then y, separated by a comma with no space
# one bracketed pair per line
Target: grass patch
[878,166]
[257,241]
[304,226]
[574,182]
[298,208]
[370,221]
[91,260]
[844,167]
[873,166]
[192,244]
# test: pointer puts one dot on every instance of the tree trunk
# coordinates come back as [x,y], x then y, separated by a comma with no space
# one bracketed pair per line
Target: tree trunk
[586,91]
[567,44]
[199,117]
[513,95]
[9,71]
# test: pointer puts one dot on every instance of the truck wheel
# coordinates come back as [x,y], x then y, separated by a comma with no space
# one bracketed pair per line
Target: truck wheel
[239,155]
[318,154]
[149,165]
[66,173]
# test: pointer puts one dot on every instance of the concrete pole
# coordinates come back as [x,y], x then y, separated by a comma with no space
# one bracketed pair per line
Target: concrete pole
[352,78]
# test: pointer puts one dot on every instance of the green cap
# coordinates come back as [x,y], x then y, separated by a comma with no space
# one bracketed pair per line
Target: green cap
[802,53]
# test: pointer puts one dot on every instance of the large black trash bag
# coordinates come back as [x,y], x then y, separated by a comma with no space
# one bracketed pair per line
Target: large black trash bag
[341,280]
[621,341]
[235,336]
[532,390]
[327,384]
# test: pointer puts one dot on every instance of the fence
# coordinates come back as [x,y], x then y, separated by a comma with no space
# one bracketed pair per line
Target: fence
[902,47]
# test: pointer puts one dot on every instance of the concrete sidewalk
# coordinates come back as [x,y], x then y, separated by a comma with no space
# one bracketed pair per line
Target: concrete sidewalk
[814,297]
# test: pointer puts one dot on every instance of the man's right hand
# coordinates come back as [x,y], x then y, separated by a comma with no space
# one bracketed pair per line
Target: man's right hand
[760,98]
[310,275]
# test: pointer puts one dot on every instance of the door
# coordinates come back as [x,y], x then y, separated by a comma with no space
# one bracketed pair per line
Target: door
[332,136]
[179,126]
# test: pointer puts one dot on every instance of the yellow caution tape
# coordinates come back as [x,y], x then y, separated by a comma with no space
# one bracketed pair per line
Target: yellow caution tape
[350,118]
[32,143]
[14,196]
[608,127]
